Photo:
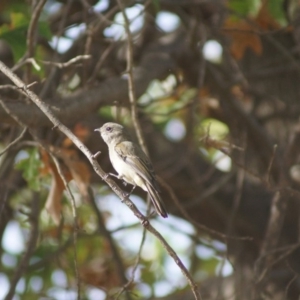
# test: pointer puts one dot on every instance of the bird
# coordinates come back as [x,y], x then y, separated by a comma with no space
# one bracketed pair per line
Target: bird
[131,163]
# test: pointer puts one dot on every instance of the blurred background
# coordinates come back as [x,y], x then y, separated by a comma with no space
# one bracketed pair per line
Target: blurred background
[216,88]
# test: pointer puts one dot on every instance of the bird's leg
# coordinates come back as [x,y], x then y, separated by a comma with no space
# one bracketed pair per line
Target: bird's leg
[114,175]
[119,177]
[128,194]
[131,190]
[124,182]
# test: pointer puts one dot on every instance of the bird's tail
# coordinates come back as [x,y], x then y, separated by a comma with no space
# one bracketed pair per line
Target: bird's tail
[157,201]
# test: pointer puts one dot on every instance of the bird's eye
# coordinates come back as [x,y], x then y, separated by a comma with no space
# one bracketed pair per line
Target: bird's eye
[108,128]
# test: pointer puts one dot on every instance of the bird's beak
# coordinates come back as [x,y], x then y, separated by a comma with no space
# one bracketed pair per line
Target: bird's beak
[97,129]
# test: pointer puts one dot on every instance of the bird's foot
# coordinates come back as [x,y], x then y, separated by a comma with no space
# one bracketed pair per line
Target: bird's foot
[132,189]
[114,175]
[145,222]
[127,195]
[110,174]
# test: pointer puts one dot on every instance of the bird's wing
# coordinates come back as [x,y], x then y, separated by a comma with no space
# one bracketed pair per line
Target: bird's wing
[137,159]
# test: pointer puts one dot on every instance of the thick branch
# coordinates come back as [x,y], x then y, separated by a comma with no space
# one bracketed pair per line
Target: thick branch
[47,111]
[83,102]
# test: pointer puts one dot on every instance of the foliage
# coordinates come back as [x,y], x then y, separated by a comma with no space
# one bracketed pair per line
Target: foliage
[222,133]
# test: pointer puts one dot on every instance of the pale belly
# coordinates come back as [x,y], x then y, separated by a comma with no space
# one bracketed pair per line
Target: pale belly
[125,171]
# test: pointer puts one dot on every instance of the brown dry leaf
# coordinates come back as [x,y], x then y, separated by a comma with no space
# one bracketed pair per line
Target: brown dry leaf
[72,168]
[239,93]
[55,233]
[243,32]
[243,37]
[47,162]
[53,202]
[78,169]
[264,19]
[81,131]
[204,92]
[100,272]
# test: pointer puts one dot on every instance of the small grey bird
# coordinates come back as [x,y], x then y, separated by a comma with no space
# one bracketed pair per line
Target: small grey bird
[131,163]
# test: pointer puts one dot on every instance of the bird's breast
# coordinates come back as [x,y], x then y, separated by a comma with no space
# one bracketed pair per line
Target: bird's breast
[124,170]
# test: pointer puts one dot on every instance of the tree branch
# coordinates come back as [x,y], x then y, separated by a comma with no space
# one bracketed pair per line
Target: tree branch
[33,217]
[107,234]
[14,141]
[77,106]
[131,84]
[116,189]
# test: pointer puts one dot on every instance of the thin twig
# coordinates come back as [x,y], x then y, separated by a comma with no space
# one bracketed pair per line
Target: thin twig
[266,260]
[296,275]
[3,202]
[68,63]
[240,178]
[108,235]
[116,189]
[271,163]
[39,143]
[50,256]
[54,71]
[285,254]
[175,257]
[67,188]
[21,268]
[100,62]
[28,56]
[29,60]
[277,213]
[10,113]
[138,259]
[75,218]
[8,86]
[137,127]
[131,85]
[78,105]
[10,145]
[192,221]
[31,34]
[218,145]
[30,41]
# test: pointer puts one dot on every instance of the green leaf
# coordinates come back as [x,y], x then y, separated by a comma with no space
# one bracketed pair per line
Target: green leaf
[147,274]
[44,30]
[209,265]
[245,7]
[156,5]
[30,167]
[276,10]
[15,33]
[217,129]
[105,112]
